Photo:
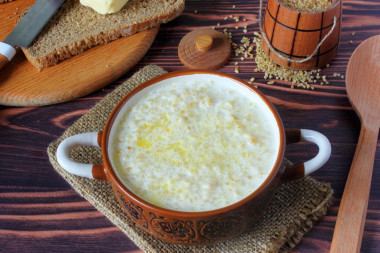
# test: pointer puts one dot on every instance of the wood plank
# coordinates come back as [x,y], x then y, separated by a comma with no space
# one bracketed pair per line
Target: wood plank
[26,132]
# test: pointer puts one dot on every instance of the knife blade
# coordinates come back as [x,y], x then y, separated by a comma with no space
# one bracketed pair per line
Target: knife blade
[28,28]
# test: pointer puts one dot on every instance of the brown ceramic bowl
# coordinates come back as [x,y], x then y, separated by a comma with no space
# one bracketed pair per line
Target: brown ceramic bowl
[193,228]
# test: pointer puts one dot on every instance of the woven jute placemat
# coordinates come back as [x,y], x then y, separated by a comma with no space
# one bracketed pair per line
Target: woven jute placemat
[293,211]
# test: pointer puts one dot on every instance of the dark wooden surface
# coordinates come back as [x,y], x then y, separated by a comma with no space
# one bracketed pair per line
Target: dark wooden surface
[39,212]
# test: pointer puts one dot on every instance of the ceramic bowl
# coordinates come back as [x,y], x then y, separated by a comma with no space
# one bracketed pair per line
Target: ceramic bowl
[193,228]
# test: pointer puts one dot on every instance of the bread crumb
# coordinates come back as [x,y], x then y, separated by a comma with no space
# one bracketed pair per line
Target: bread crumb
[195,11]
[353,33]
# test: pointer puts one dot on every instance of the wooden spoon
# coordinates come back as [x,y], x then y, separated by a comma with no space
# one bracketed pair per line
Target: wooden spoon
[363,89]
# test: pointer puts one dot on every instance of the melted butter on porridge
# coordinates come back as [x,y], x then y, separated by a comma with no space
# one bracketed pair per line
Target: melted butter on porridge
[194,146]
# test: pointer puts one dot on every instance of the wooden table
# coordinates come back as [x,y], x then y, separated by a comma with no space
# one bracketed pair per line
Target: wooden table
[39,212]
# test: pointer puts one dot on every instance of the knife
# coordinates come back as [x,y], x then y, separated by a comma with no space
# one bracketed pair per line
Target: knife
[28,28]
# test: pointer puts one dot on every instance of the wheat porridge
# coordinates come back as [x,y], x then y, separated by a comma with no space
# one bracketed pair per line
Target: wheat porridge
[195,146]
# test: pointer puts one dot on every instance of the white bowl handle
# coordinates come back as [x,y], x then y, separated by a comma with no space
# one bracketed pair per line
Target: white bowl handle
[324,152]
[299,170]
[80,169]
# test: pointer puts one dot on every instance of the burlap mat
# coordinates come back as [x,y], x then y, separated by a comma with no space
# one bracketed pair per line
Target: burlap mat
[293,211]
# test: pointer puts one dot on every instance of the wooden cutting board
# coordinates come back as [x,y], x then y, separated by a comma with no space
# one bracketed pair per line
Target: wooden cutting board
[21,84]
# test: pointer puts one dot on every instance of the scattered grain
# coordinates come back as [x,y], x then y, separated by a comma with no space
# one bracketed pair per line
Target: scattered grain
[195,11]
[271,70]
[298,78]
[308,5]
[353,33]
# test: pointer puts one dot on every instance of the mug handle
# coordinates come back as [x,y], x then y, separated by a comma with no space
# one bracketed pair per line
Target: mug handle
[93,171]
[294,135]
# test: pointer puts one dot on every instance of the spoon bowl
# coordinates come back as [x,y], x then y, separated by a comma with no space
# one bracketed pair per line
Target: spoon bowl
[363,90]
[363,80]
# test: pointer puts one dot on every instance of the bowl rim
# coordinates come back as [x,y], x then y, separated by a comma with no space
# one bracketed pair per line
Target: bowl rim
[169,212]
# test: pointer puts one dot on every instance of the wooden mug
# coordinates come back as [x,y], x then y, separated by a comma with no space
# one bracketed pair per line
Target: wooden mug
[301,39]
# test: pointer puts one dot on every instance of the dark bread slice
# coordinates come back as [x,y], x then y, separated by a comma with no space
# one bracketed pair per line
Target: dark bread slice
[76,28]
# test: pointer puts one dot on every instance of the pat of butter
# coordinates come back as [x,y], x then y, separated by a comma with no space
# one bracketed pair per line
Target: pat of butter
[104,6]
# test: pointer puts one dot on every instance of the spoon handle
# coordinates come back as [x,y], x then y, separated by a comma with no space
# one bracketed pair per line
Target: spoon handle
[353,207]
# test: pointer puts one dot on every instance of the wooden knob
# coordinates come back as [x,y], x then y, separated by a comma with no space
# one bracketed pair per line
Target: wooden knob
[204,42]
[204,49]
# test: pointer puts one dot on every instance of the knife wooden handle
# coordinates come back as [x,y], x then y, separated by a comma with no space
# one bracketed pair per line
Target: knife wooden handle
[3,61]
[6,53]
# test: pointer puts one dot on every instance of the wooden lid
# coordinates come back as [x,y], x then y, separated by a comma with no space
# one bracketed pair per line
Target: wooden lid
[204,49]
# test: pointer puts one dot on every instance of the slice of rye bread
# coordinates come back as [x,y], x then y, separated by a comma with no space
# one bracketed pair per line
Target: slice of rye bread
[76,28]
